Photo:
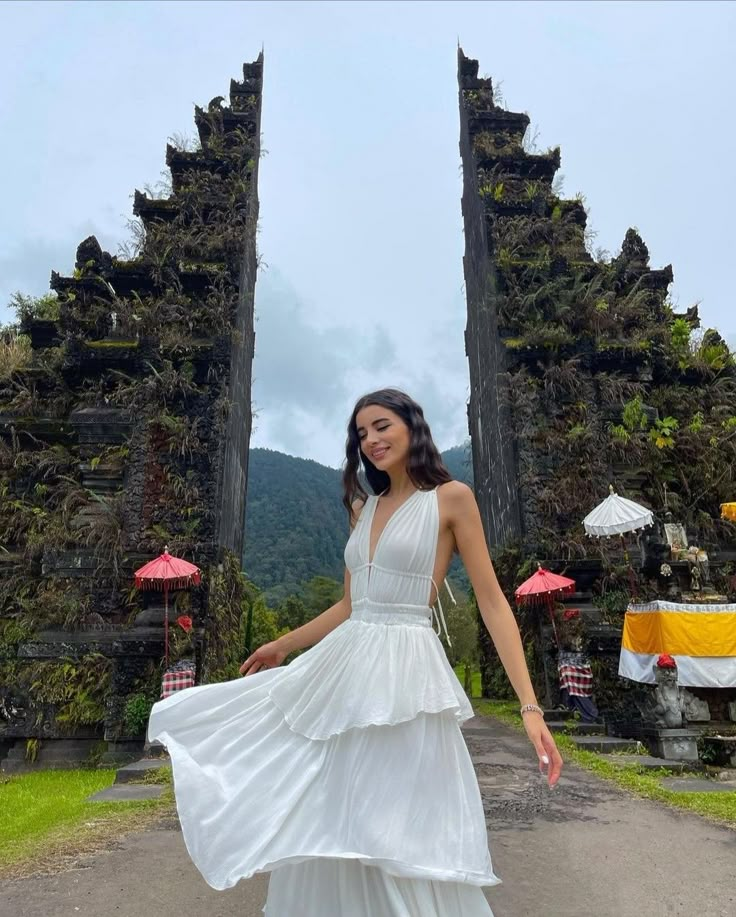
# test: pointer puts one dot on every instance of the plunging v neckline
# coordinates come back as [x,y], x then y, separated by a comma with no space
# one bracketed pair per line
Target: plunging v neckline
[387,524]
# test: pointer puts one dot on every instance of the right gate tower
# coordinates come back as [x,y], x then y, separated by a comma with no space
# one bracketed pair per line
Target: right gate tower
[581,376]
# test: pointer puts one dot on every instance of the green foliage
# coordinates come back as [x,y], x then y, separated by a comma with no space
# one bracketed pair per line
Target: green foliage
[76,689]
[136,713]
[613,605]
[29,308]
[12,632]
[291,613]
[295,524]
[662,434]
[697,423]
[495,191]
[714,357]
[680,334]
[462,625]
[15,353]
[619,433]
[578,431]
[265,624]
[229,593]
[320,593]
[634,418]
[484,144]
[680,342]
[32,749]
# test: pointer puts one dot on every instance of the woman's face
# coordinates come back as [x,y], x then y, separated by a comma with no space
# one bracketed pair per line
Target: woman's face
[384,437]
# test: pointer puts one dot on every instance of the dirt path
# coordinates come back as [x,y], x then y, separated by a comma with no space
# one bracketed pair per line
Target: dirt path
[585,848]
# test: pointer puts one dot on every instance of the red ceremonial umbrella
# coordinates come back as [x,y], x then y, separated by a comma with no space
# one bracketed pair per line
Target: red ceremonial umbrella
[167,572]
[539,589]
[541,586]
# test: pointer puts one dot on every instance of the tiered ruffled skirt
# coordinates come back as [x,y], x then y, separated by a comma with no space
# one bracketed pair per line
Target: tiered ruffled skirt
[344,774]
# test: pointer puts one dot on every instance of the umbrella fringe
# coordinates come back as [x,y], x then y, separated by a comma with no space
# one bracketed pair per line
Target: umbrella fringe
[538,598]
[182,582]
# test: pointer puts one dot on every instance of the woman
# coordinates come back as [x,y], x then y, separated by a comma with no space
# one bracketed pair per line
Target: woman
[345,773]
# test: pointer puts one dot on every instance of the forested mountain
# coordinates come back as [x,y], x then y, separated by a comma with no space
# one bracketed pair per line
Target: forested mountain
[296,526]
[459,463]
[295,523]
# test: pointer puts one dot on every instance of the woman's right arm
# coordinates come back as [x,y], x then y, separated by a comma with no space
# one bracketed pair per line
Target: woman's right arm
[313,631]
[274,653]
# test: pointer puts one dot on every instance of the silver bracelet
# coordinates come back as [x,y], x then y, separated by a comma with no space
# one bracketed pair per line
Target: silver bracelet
[533,707]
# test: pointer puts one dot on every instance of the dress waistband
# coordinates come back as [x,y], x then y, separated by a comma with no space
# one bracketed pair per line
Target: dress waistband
[383,613]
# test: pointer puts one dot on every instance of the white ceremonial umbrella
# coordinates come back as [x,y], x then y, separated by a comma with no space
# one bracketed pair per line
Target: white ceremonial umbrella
[615,516]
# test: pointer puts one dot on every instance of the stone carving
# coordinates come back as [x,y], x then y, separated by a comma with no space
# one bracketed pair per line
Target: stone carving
[695,709]
[676,538]
[10,710]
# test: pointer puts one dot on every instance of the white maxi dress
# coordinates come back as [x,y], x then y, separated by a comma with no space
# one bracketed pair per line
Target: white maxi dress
[344,774]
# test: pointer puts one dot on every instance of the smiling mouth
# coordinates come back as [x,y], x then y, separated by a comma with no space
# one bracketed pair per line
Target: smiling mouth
[379,453]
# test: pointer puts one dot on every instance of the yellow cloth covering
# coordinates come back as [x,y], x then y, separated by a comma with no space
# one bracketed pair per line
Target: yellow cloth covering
[728,511]
[701,639]
[681,632]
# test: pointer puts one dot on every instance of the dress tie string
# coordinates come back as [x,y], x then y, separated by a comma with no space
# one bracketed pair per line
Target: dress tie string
[440,616]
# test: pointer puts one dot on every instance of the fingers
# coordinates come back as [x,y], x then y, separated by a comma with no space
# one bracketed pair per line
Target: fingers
[253,665]
[245,665]
[550,759]
[250,665]
[554,758]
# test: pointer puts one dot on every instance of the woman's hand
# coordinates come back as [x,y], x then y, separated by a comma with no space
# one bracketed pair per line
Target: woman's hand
[544,744]
[267,656]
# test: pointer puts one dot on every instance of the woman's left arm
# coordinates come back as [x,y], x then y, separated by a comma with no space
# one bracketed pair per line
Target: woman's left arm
[467,527]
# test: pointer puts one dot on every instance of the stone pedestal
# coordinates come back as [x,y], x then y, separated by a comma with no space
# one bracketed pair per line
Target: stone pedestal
[722,748]
[673,744]
[154,750]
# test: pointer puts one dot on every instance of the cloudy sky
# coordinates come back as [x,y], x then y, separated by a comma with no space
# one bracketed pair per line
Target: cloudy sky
[361,228]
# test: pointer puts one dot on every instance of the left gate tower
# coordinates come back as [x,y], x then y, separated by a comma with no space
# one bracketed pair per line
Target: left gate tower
[127,429]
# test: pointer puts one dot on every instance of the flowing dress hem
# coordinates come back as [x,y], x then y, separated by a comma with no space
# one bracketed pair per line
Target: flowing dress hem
[460,713]
[391,866]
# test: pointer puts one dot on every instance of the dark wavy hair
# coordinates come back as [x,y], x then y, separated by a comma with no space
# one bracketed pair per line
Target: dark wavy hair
[424,466]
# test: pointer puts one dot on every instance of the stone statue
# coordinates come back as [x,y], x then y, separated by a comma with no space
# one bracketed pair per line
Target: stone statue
[703,563]
[669,702]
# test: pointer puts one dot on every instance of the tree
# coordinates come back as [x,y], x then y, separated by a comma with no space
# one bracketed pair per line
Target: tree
[292,613]
[265,624]
[319,594]
[463,628]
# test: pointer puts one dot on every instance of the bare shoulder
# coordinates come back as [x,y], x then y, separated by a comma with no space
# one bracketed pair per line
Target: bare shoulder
[457,499]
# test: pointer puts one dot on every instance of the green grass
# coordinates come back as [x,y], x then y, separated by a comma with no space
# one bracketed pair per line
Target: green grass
[720,807]
[45,811]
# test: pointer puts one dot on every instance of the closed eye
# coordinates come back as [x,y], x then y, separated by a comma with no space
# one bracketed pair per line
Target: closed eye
[380,430]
